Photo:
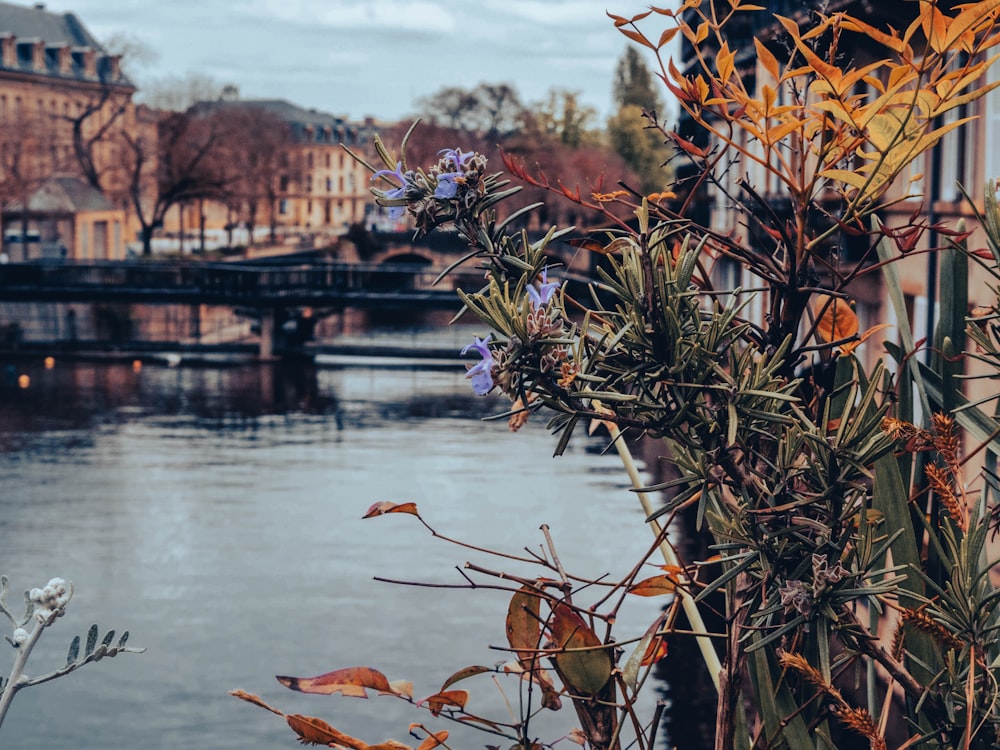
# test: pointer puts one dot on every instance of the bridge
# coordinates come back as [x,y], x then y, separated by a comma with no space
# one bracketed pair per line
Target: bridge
[287,296]
[333,285]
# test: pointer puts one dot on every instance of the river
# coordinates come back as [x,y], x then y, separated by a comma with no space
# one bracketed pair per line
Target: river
[215,513]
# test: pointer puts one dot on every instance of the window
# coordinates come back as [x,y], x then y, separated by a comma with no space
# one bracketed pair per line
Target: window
[283,207]
[328,160]
[991,105]
[329,184]
[309,159]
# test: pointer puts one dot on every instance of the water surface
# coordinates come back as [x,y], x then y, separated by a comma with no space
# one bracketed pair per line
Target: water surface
[216,515]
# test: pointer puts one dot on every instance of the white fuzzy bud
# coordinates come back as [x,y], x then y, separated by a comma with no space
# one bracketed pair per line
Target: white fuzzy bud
[20,636]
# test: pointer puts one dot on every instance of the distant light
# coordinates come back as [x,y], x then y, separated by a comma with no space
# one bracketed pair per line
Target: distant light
[50,362]
[136,365]
[307,312]
[23,381]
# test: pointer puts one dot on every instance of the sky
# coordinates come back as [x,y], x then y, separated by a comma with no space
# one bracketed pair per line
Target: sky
[370,57]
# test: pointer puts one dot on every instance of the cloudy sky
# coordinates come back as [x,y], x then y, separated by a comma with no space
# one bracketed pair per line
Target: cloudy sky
[370,57]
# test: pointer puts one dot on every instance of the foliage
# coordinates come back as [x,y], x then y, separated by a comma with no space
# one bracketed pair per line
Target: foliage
[632,130]
[837,497]
[42,607]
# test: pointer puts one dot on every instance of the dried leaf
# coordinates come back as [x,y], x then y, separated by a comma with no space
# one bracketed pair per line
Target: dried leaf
[524,625]
[402,688]
[837,321]
[434,740]
[655,586]
[352,681]
[384,507]
[584,671]
[576,735]
[317,732]
[243,695]
[463,674]
[439,701]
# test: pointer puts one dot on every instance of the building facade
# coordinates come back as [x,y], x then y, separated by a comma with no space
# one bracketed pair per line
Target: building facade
[928,188]
[65,105]
[294,182]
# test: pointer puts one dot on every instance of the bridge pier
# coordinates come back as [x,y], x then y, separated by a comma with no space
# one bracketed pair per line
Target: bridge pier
[268,330]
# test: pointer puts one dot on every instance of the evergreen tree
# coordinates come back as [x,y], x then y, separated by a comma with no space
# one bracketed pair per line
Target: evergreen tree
[630,129]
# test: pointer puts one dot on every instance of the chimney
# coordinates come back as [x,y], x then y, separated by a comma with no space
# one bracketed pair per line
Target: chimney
[8,50]
[65,58]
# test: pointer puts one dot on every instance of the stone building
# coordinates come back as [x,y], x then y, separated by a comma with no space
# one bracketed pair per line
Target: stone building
[296,180]
[65,105]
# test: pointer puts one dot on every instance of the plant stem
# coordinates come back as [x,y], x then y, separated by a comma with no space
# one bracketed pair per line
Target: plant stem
[670,557]
[17,680]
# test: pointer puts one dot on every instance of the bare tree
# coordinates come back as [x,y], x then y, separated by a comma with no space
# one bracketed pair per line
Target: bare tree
[182,159]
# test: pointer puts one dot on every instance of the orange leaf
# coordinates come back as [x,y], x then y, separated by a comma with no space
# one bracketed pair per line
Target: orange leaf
[767,59]
[850,346]
[524,626]
[655,651]
[583,671]
[667,36]
[837,321]
[352,681]
[318,732]
[434,740]
[380,509]
[655,586]
[439,701]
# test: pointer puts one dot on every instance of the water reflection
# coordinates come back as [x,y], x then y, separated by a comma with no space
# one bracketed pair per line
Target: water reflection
[216,514]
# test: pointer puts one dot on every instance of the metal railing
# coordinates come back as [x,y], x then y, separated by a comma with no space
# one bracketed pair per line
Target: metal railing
[220,283]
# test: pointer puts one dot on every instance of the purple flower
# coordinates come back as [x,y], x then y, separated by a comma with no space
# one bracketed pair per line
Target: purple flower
[456,156]
[399,192]
[481,373]
[540,297]
[447,186]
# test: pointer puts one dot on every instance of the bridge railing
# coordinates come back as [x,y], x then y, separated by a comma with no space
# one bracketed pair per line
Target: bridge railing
[229,281]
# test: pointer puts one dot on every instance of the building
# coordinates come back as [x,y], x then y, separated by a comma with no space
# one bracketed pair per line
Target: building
[65,108]
[294,179]
[928,187]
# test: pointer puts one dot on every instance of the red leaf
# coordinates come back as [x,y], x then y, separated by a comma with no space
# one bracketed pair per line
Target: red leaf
[688,147]
[352,681]
[384,507]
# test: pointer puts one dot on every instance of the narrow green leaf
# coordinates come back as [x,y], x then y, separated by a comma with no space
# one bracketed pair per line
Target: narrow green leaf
[91,640]
[74,650]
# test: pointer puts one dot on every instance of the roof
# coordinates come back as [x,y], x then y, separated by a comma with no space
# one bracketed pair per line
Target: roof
[307,125]
[34,23]
[64,195]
